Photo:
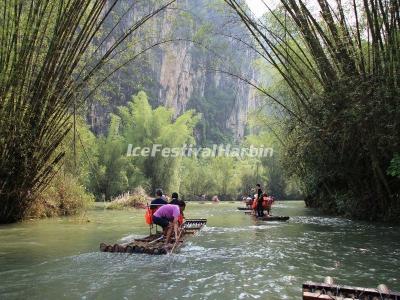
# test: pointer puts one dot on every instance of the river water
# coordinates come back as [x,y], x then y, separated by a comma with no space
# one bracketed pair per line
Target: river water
[234,257]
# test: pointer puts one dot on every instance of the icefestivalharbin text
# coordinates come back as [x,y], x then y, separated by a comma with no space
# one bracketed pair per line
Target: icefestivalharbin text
[193,151]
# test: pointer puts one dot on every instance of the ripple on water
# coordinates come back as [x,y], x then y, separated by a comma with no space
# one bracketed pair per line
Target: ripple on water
[219,230]
[190,248]
[239,259]
[321,221]
[130,237]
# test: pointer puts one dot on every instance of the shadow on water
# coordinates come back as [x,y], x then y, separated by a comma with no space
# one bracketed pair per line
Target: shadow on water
[234,257]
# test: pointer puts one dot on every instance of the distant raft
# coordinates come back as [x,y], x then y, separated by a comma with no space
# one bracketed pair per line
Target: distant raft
[273,218]
[268,218]
[320,291]
[154,244]
[244,208]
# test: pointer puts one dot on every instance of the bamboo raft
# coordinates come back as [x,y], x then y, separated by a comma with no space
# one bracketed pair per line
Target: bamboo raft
[154,244]
[244,208]
[272,218]
[268,218]
[320,291]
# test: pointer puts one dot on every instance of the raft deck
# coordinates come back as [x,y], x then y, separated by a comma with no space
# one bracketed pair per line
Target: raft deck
[154,244]
[320,291]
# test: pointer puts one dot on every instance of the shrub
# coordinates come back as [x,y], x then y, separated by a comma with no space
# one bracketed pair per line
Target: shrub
[137,199]
[64,197]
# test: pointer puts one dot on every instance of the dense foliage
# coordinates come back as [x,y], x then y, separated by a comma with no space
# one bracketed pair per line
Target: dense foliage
[115,171]
[65,196]
[45,63]
[141,126]
[339,90]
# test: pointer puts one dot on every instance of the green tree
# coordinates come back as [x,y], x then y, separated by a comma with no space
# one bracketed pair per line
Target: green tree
[196,178]
[339,101]
[43,73]
[139,125]
[115,172]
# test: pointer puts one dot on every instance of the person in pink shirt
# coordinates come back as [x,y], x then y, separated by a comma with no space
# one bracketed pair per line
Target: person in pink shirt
[167,217]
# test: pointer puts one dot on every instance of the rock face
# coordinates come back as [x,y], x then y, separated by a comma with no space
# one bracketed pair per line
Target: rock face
[177,78]
[183,72]
[183,80]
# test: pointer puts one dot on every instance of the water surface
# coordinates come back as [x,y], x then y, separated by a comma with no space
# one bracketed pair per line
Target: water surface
[234,257]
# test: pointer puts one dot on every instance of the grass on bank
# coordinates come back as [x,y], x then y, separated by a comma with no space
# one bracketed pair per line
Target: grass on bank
[137,199]
[64,197]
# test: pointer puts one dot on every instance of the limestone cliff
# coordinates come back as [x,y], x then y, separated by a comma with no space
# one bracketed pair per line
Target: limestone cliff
[181,74]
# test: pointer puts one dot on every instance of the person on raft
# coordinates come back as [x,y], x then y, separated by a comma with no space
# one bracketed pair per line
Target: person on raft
[175,199]
[260,208]
[249,201]
[158,201]
[167,216]
[267,203]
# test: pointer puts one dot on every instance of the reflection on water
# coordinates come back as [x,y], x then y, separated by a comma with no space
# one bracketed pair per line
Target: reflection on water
[234,257]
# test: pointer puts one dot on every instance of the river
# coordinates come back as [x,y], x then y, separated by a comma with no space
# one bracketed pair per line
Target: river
[234,257]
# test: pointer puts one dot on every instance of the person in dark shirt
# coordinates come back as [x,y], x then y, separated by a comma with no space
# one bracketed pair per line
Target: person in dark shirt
[260,209]
[175,199]
[159,201]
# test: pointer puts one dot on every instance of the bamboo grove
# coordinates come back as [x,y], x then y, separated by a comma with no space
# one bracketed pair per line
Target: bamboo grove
[340,70]
[339,92]
[44,68]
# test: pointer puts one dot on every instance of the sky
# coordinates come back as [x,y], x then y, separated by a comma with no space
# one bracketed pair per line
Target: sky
[257,6]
